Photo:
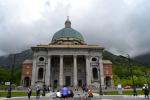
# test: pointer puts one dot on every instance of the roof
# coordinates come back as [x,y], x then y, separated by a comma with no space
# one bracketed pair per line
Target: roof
[70,46]
[27,61]
[68,32]
[107,62]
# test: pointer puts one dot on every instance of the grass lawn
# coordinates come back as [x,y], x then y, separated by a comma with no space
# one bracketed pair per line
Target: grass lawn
[124,92]
[15,94]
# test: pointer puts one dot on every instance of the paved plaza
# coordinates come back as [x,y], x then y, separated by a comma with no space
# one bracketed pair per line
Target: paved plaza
[113,97]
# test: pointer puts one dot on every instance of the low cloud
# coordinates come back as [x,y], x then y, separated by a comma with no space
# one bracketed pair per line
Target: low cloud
[121,26]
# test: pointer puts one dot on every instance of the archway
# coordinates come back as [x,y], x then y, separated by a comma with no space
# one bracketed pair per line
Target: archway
[108,81]
[26,81]
[95,73]
[40,73]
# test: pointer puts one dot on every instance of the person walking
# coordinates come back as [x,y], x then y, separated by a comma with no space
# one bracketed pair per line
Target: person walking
[37,93]
[146,91]
[29,92]
[83,88]
[90,94]
[64,93]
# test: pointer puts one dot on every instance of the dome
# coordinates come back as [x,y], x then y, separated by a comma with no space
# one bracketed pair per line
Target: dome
[68,33]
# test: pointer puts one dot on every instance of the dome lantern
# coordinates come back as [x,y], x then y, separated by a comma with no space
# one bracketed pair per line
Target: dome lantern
[67,23]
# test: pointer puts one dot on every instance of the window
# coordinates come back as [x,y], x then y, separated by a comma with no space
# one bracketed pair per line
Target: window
[95,74]
[41,59]
[75,43]
[40,73]
[94,59]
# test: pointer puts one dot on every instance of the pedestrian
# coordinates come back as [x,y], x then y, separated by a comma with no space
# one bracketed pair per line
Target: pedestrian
[71,94]
[90,94]
[37,93]
[83,88]
[64,93]
[146,91]
[58,94]
[29,92]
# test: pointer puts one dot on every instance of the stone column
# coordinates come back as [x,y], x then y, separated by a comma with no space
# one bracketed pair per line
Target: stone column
[101,70]
[75,70]
[88,78]
[48,72]
[34,71]
[61,71]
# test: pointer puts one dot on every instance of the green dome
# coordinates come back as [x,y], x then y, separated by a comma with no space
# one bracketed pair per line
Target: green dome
[68,33]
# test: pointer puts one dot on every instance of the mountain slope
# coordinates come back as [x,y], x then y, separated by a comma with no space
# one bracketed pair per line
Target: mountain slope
[18,58]
[144,58]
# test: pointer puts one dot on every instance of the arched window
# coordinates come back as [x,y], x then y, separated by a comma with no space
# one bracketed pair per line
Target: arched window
[40,73]
[95,74]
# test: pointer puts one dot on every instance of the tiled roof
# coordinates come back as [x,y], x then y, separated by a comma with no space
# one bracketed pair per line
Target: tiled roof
[107,62]
[27,61]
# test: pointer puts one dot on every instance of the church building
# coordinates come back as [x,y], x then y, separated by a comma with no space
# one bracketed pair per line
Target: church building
[69,60]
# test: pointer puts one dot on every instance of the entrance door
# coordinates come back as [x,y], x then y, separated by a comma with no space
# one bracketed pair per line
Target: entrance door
[79,82]
[26,81]
[68,80]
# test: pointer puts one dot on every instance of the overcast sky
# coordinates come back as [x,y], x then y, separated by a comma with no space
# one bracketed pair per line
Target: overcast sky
[121,26]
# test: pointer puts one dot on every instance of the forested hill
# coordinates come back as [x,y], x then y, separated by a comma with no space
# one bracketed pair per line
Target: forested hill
[18,58]
[119,60]
[144,58]
[7,61]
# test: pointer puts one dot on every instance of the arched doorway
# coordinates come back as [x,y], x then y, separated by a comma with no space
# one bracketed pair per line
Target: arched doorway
[40,73]
[108,81]
[95,73]
[26,81]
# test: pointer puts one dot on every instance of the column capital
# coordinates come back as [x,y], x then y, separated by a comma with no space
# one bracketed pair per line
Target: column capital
[61,56]
[75,55]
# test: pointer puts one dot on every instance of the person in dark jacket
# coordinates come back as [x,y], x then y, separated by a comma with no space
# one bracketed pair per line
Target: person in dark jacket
[29,92]
[146,92]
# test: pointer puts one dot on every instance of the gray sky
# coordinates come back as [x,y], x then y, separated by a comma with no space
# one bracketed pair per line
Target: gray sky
[121,26]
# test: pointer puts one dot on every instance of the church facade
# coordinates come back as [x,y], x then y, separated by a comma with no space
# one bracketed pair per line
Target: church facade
[68,60]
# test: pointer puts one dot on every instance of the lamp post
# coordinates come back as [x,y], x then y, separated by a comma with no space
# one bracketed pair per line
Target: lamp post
[131,73]
[11,77]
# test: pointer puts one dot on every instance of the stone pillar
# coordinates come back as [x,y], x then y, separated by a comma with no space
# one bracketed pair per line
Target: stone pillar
[101,71]
[33,71]
[48,72]
[61,69]
[75,70]
[88,78]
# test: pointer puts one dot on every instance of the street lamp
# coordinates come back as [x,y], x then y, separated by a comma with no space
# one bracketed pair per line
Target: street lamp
[133,85]
[11,77]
